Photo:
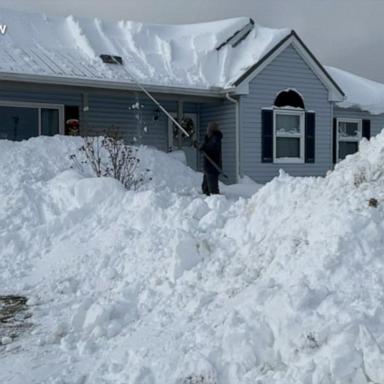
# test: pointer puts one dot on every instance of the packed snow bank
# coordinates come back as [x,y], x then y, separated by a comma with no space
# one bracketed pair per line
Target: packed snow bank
[160,287]
[170,55]
[361,93]
[246,187]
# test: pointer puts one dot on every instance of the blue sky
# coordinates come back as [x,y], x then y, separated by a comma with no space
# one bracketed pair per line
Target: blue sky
[344,33]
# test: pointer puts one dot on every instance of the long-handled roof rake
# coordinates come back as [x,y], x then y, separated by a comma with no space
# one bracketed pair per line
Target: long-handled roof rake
[118,60]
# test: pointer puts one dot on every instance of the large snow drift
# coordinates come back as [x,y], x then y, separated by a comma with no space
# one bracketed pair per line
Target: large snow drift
[157,286]
[170,55]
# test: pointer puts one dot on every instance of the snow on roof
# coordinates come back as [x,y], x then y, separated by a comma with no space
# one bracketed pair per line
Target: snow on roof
[161,55]
[361,93]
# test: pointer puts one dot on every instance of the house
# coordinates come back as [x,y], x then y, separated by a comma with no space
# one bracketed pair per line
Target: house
[277,105]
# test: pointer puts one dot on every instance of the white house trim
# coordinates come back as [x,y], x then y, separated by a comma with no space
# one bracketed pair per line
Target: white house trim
[334,94]
[212,92]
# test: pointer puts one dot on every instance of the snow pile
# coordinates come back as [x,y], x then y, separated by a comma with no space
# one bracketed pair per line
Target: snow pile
[171,55]
[156,286]
[361,93]
[168,171]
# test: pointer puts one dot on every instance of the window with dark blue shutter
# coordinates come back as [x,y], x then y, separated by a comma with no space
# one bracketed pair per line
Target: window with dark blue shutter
[310,125]
[267,136]
[366,131]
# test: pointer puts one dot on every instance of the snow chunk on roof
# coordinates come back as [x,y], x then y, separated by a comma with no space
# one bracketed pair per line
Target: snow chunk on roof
[161,55]
[361,93]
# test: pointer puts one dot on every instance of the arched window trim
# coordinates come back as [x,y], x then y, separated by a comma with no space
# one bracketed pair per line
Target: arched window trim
[298,95]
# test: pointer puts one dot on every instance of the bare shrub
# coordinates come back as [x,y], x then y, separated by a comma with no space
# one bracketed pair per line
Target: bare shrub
[109,156]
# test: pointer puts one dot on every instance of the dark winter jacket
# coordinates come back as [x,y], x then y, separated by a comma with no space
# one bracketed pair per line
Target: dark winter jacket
[212,147]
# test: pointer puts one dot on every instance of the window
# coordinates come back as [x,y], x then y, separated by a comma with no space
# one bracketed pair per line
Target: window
[20,121]
[289,98]
[288,136]
[49,121]
[349,133]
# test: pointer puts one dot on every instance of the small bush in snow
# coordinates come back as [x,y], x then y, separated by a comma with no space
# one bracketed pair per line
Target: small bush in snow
[109,156]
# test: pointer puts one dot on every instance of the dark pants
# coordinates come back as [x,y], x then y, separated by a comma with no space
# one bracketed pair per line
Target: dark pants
[210,184]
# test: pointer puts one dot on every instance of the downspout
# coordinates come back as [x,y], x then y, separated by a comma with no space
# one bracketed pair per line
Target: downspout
[237,134]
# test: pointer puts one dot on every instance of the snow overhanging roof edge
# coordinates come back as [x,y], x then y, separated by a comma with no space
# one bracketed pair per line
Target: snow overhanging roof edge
[110,84]
[166,59]
[217,92]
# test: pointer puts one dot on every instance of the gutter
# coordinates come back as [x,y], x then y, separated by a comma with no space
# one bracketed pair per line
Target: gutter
[237,135]
[213,92]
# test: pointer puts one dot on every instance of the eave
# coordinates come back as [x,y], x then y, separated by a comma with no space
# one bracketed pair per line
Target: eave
[110,84]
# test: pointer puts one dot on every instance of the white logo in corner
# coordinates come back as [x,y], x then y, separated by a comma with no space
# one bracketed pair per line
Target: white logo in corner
[3,29]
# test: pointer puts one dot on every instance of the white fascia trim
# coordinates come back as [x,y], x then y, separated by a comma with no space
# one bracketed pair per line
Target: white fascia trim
[333,93]
[109,84]
[241,89]
[264,64]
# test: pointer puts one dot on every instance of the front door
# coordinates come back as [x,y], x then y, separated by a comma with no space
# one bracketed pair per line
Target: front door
[178,141]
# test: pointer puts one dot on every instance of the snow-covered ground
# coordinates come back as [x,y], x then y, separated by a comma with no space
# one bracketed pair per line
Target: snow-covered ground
[164,285]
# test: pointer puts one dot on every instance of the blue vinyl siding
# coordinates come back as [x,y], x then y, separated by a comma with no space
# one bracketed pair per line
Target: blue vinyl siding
[13,91]
[106,109]
[136,125]
[288,70]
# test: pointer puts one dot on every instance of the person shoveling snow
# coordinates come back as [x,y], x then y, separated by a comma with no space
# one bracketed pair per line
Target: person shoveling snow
[211,147]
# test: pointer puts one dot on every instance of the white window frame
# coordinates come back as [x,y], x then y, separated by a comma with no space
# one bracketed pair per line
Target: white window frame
[348,139]
[301,135]
[39,107]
